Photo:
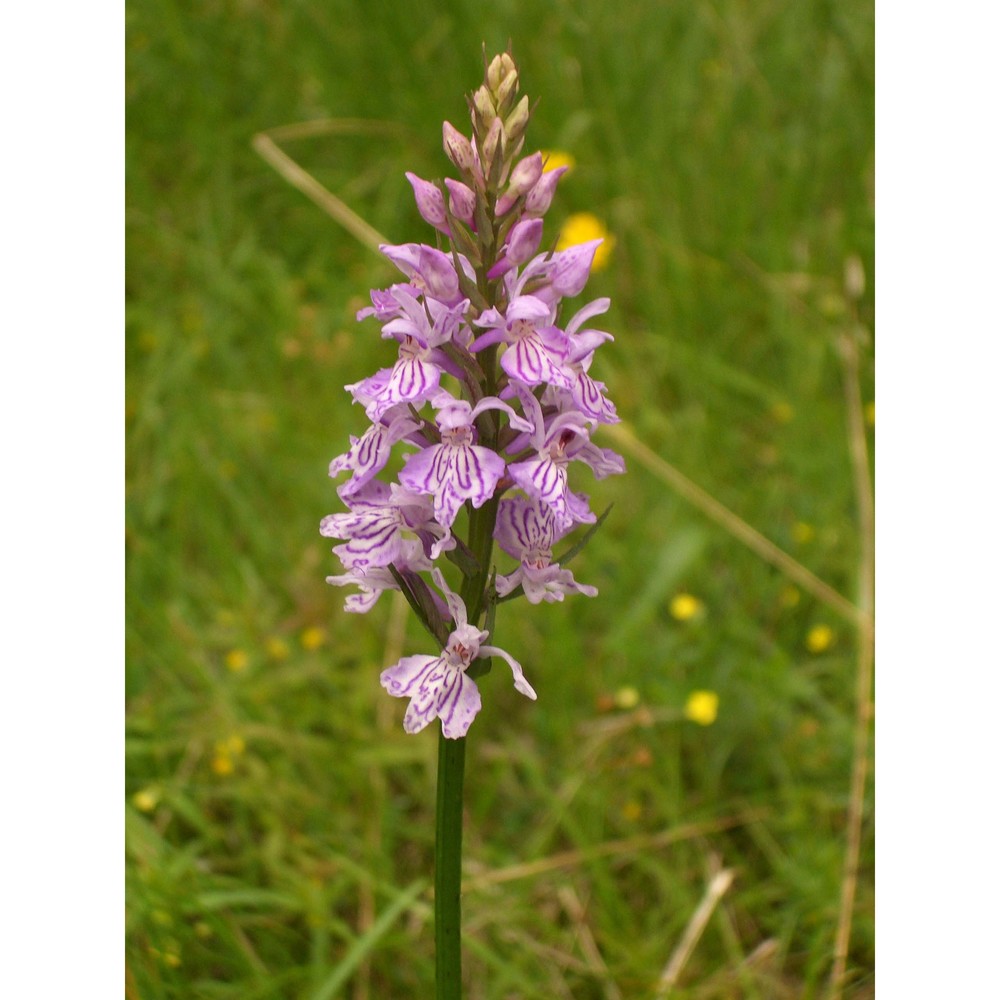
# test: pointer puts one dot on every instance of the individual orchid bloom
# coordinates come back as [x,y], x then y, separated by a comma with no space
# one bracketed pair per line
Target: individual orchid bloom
[556,442]
[373,529]
[430,323]
[369,454]
[586,394]
[438,686]
[536,350]
[527,531]
[430,270]
[414,378]
[457,469]
[378,579]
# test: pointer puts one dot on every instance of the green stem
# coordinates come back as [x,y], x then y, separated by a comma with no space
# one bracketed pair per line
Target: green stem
[448,868]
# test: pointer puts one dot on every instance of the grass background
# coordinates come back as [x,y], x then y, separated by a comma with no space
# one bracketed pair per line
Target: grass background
[279,823]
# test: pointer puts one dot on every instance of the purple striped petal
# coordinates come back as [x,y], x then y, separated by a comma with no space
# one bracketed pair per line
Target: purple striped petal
[458,703]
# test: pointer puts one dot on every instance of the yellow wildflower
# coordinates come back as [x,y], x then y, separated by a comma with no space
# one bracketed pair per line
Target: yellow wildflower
[702,707]
[237,660]
[626,697]
[147,799]
[583,227]
[684,607]
[803,532]
[556,158]
[819,639]
[222,764]
[313,637]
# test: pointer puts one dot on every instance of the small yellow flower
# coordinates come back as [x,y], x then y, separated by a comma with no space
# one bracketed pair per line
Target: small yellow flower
[237,660]
[819,639]
[232,746]
[556,158]
[632,810]
[147,799]
[222,764]
[684,607]
[803,532]
[276,648]
[582,227]
[313,637]
[702,707]
[626,697]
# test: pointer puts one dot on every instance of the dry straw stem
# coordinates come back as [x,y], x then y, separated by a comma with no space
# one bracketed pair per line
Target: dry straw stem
[627,846]
[577,913]
[716,889]
[625,438]
[266,145]
[866,659]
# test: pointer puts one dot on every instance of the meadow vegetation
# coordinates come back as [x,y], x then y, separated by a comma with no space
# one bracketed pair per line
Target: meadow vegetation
[279,821]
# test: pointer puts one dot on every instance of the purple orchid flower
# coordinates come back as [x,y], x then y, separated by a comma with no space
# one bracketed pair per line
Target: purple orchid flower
[536,349]
[414,378]
[527,531]
[557,442]
[378,579]
[369,454]
[457,469]
[379,514]
[438,686]
[430,270]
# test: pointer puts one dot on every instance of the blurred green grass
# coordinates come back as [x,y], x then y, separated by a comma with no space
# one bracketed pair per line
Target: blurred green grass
[276,809]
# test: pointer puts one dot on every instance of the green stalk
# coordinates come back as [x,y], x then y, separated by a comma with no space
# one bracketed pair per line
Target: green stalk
[448,868]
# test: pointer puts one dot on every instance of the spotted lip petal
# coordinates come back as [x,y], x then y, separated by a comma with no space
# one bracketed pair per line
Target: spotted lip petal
[436,689]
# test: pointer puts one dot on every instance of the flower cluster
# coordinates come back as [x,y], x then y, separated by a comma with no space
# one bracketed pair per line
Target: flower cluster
[491,394]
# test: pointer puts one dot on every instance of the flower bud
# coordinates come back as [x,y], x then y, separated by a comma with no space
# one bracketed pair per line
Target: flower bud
[462,200]
[525,238]
[483,106]
[492,146]
[517,121]
[501,68]
[457,148]
[526,174]
[430,202]
[540,196]
[506,93]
